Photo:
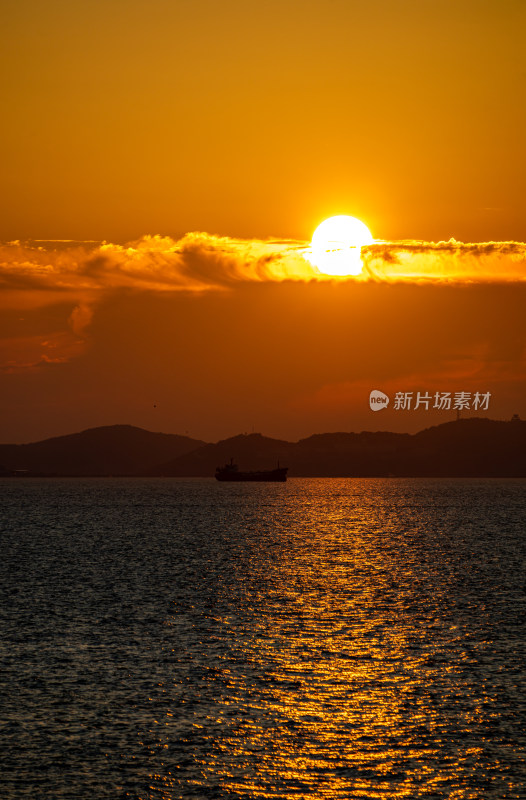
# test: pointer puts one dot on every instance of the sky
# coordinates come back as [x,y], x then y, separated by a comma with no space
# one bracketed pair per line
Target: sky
[165,165]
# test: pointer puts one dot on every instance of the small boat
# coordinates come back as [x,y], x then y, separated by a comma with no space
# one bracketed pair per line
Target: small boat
[231,472]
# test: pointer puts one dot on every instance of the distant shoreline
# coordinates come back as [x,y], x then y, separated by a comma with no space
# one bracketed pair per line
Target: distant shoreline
[465,448]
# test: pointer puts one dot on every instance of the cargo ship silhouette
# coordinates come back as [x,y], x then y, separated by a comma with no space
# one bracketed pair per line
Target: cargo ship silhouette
[231,472]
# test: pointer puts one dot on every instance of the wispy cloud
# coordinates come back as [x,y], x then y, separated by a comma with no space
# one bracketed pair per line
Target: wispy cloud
[80,275]
[196,262]
[29,353]
[201,262]
[445,262]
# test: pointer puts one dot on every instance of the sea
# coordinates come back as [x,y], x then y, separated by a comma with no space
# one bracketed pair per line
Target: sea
[319,638]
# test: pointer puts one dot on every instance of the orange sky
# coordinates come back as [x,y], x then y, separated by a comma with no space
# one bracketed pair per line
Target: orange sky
[139,123]
[127,117]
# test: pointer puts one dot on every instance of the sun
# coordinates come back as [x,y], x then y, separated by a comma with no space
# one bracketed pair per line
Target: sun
[336,245]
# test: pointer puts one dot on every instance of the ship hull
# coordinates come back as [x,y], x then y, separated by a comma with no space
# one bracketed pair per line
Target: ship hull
[274,475]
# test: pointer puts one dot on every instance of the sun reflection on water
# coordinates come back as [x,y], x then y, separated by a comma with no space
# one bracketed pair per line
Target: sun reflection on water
[322,638]
[348,672]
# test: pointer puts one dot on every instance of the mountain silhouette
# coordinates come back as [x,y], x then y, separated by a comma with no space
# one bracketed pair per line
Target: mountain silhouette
[109,450]
[463,448]
[473,447]
[250,451]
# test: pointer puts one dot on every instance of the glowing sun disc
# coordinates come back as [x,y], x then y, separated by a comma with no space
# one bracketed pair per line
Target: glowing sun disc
[336,245]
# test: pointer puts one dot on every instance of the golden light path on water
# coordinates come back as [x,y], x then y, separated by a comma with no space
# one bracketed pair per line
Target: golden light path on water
[351,639]
[348,674]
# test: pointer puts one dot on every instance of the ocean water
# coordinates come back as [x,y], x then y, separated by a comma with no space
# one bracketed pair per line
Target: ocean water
[316,639]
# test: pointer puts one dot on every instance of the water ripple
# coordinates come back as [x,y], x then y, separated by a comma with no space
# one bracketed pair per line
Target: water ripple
[322,638]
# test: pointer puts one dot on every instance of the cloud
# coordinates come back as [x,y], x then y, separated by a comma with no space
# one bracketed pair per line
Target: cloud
[477,373]
[29,353]
[445,262]
[203,262]
[80,318]
[196,262]
[81,275]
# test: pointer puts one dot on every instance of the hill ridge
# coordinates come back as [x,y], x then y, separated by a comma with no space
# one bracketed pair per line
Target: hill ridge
[476,446]
[105,450]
